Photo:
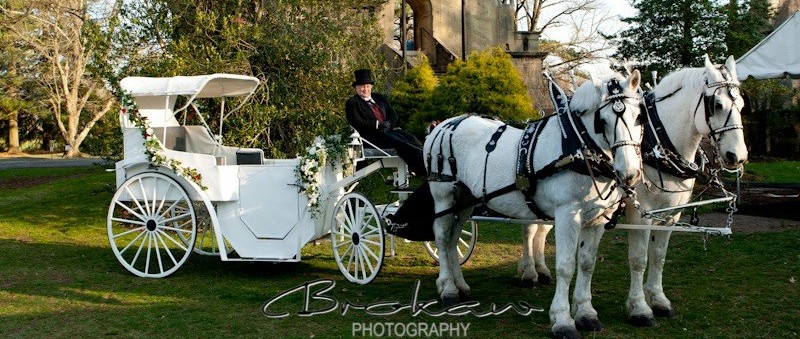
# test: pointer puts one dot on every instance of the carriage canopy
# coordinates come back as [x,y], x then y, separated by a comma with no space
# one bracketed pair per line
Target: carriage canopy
[201,86]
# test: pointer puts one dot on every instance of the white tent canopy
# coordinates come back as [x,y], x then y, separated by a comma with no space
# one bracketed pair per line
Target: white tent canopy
[775,56]
[204,86]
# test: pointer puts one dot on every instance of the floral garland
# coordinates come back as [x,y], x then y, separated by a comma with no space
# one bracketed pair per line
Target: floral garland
[327,150]
[153,148]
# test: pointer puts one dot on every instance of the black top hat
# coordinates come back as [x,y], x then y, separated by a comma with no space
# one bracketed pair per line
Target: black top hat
[363,76]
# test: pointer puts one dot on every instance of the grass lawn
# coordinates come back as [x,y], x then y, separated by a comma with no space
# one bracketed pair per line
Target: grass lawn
[783,171]
[59,278]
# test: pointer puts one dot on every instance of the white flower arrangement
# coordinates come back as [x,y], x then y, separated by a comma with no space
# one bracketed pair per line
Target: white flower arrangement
[323,152]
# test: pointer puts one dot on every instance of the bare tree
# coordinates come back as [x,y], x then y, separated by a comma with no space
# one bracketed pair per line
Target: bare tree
[73,45]
[583,21]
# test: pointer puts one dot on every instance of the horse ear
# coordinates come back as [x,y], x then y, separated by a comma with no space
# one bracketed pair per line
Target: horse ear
[709,65]
[730,64]
[596,82]
[634,80]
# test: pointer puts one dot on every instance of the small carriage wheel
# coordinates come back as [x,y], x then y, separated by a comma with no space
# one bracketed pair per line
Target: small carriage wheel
[151,225]
[357,238]
[466,243]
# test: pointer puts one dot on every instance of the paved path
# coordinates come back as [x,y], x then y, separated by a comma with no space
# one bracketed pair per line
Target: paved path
[46,160]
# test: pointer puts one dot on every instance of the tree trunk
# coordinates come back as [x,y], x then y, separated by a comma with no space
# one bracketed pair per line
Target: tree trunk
[13,133]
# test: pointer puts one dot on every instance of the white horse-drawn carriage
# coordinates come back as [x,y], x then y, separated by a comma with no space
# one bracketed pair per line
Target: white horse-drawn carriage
[242,207]
[588,152]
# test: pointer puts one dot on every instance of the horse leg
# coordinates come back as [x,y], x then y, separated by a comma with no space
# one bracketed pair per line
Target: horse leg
[568,223]
[454,258]
[585,314]
[443,198]
[526,267]
[654,290]
[639,313]
[540,241]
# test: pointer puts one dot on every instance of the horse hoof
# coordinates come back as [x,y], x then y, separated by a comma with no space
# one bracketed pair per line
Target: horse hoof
[664,312]
[545,279]
[528,283]
[643,321]
[449,301]
[589,324]
[464,296]
[566,333]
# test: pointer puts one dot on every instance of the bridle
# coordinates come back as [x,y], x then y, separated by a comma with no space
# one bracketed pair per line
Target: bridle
[733,91]
[616,99]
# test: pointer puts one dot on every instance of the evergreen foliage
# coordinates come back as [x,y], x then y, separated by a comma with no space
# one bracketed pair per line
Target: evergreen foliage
[669,34]
[748,24]
[486,83]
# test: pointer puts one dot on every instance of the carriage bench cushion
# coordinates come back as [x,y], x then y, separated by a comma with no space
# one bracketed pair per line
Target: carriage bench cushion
[249,157]
[370,152]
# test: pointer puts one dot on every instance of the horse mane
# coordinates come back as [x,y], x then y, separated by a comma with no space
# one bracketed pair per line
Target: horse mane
[585,97]
[679,79]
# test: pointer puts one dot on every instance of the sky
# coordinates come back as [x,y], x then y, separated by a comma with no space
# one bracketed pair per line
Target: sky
[616,9]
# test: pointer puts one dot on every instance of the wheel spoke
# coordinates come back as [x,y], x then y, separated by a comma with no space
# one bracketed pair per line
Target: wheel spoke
[460,254]
[128,231]
[177,217]
[135,222]
[372,231]
[463,242]
[177,243]
[175,229]
[346,242]
[342,221]
[361,255]
[147,262]
[163,199]
[141,245]
[175,262]
[350,250]
[370,252]
[131,243]
[141,217]
[158,253]
[370,242]
[170,208]
[144,197]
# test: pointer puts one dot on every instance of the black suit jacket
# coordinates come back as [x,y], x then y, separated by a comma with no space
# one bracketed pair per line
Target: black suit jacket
[360,116]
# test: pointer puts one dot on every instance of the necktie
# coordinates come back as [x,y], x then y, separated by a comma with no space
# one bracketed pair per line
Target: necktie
[376,111]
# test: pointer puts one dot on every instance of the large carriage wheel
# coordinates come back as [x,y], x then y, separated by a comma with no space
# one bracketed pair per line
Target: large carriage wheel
[466,243]
[151,225]
[357,238]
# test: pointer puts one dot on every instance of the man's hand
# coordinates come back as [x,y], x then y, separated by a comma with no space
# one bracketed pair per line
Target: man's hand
[385,126]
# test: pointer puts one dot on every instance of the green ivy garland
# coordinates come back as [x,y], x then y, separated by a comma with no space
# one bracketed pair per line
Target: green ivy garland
[153,148]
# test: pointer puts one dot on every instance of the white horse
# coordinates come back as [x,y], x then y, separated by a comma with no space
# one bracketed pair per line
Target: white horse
[572,199]
[691,103]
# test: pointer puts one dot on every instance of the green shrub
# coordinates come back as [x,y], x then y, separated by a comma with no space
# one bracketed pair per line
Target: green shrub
[411,95]
[486,83]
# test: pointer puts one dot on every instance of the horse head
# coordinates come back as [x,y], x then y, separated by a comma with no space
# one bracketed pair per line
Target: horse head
[722,119]
[614,107]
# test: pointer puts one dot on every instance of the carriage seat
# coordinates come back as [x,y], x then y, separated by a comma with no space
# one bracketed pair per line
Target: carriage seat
[196,139]
[370,150]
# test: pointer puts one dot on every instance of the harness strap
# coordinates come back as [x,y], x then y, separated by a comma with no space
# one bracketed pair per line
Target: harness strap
[490,146]
[476,201]
[447,128]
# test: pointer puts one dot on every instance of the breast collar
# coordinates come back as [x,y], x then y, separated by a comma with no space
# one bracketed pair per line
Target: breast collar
[658,151]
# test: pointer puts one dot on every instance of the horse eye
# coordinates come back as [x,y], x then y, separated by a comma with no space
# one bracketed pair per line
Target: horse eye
[718,106]
[641,119]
